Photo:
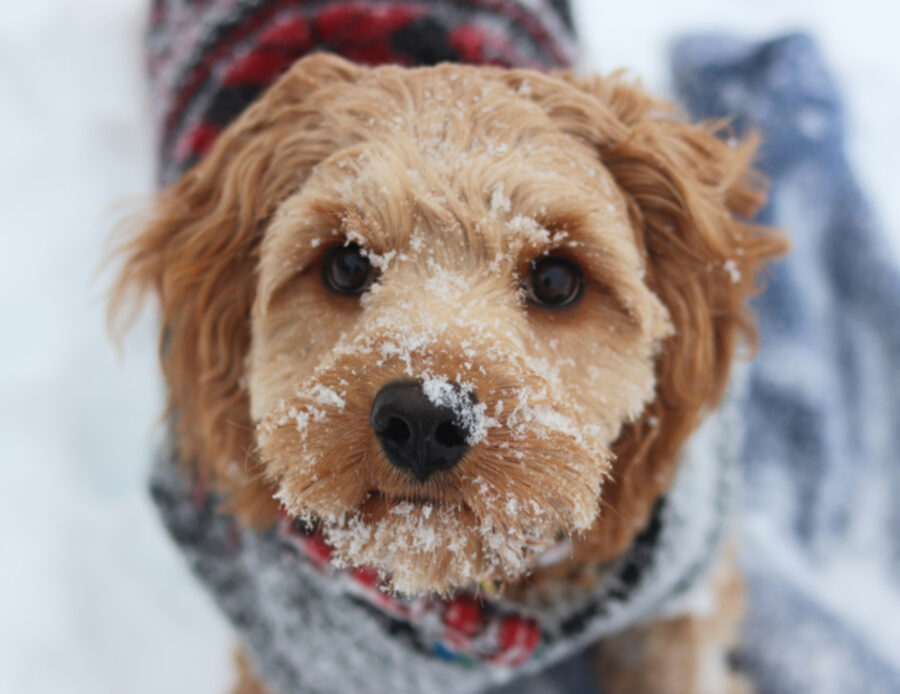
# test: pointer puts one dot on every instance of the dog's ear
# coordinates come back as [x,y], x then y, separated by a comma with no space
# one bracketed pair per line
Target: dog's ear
[690,196]
[198,252]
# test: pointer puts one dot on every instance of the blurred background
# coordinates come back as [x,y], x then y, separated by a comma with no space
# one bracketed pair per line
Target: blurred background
[92,596]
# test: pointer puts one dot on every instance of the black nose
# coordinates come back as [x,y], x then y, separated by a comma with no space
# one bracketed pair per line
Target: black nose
[415,433]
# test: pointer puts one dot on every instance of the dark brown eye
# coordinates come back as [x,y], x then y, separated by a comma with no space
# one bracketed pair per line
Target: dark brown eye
[554,282]
[346,269]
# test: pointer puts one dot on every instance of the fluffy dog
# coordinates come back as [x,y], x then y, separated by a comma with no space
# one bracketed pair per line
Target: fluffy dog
[453,320]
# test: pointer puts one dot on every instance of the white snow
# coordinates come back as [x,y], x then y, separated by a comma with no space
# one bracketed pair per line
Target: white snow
[326,396]
[93,598]
[469,414]
[731,268]
[500,204]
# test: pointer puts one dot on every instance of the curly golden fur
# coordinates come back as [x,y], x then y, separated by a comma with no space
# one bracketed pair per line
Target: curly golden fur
[454,179]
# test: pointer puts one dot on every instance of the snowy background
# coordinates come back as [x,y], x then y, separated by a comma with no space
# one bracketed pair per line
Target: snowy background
[93,599]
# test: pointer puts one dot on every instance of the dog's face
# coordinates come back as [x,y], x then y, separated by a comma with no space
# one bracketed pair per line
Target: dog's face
[441,313]
[457,242]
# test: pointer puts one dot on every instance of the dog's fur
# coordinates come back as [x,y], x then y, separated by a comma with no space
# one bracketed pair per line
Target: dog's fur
[455,179]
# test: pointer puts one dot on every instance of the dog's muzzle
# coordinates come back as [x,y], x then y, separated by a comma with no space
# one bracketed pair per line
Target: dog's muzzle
[415,433]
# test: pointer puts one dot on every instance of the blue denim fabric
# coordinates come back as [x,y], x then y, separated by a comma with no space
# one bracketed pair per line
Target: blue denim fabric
[821,454]
[831,310]
[821,461]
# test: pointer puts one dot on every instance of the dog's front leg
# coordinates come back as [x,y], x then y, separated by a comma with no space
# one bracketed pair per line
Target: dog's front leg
[683,655]
[247,681]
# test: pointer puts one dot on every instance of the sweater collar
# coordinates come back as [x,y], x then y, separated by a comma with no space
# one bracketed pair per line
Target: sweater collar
[289,606]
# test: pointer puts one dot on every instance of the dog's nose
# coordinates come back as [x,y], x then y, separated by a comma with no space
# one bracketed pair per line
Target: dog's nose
[415,433]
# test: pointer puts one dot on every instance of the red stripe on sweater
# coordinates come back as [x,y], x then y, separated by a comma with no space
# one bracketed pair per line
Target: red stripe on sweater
[292,31]
[261,66]
[371,54]
[197,141]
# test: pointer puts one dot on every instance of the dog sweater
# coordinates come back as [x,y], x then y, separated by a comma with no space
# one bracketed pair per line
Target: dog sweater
[209,59]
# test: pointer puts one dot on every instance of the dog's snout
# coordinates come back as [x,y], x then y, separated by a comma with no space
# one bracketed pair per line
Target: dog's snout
[414,432]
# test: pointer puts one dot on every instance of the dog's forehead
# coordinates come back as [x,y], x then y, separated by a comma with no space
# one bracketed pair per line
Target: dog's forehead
[436,134]
[397,193]
[454,172]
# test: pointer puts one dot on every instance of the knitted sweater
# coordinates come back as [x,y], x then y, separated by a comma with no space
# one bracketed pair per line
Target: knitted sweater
[209,59]
[314,630]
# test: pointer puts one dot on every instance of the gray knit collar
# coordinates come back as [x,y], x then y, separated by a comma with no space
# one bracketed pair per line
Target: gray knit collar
[310,629]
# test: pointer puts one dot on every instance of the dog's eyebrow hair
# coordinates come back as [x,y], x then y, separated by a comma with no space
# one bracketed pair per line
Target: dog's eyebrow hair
[603,251]
[293,239]
[600,230]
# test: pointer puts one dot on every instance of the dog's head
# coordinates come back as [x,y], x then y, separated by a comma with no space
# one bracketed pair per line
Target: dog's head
[451,314]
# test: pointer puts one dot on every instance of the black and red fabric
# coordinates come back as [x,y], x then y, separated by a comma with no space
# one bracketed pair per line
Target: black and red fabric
[209,59]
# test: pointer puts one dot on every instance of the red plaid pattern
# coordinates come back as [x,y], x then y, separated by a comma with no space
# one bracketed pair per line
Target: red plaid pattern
[210,59]
[466,628]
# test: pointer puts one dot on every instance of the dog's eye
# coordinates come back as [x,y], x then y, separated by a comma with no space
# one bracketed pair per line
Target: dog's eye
[346,269]
[554,282]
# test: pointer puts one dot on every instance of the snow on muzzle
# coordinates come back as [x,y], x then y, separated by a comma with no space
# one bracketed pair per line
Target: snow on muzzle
[530,464]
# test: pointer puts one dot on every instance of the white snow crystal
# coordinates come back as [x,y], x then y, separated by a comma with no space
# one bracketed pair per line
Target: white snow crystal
[500,204]
[732,269]
[469,413]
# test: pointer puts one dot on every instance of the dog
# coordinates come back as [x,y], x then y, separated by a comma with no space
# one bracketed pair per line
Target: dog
[448,330]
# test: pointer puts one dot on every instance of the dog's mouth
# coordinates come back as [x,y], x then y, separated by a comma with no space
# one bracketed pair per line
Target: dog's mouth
[308,534]
[377,501]
[378,504]
[472,623]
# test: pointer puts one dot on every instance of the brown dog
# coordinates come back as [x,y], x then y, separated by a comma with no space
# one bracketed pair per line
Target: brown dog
[452,316]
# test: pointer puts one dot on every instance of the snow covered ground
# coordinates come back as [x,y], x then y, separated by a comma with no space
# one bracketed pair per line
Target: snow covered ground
[92,597]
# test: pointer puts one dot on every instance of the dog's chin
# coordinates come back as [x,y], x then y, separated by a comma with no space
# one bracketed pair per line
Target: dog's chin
[419,546]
